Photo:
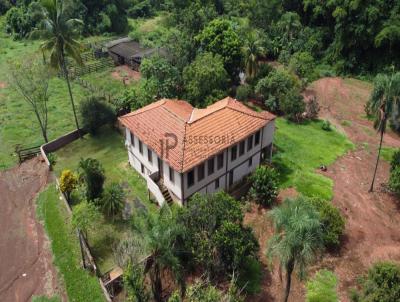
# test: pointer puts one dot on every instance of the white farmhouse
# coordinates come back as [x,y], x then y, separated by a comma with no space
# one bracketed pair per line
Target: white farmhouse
[181,150]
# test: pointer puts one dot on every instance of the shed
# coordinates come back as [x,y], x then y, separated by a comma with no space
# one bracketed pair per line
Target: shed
[125,51]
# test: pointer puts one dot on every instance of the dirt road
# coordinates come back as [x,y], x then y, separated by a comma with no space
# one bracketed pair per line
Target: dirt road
[26,267]
[372,219]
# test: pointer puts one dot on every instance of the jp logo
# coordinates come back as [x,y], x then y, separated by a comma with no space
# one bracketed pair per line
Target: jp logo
[168,143]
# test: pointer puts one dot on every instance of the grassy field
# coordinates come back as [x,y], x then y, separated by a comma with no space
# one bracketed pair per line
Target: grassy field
[79,284]
[108,147]
[17,122]
[301,149]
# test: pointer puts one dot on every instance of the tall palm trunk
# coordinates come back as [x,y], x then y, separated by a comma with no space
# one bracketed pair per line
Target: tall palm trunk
[377,159]
[66,75]
[289,271]
[156,283]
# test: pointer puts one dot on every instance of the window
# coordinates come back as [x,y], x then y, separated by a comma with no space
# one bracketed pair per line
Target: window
[233,153]
[142,168]
[211,166]
[257,138]
[132,139]
[220,161]
[250,143]
[149,155]
[200,172]
[230,178]
[217,183]
[241,148]
[140,147]
[250,161]
[171,175]
[190,178]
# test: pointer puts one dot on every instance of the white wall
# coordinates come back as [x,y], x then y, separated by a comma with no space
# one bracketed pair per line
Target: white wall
[175,187]
[136,158]
[268,134]
[155,190]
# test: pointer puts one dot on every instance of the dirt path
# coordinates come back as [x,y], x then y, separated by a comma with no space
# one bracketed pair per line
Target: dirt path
[372,219]
[26,267]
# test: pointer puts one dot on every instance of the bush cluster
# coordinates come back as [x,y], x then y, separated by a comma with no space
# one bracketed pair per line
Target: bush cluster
[264,188]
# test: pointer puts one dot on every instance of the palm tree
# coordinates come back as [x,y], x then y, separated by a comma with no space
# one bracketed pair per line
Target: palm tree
[59,32]
[382,104]
[156,236]
[297,238]
[113,200]
[252,51]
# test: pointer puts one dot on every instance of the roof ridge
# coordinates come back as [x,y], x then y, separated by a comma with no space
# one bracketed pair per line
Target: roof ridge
[183,148]
[254,114]
[194,108]
[144,109]
[173,113]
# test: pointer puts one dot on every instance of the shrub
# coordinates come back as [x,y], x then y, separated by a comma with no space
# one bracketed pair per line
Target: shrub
[302,64]
[244,92]
[95,113]
[312,108]
[332,221]
[382,284]
[68,182]
[395,162]
[113,200]
[264,188]
[326,125]
[394,180]
[92,173]
[52,157]
[322,288]
[85,217]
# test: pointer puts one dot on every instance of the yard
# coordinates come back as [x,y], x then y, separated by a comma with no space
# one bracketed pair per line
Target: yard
[107,147]
[301,150]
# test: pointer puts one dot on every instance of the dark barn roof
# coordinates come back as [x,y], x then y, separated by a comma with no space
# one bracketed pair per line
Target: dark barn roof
[130,49]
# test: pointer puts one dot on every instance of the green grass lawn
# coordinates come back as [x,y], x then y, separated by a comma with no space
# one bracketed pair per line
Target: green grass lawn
[18,124]
[79,284]
[108,147]
[301,149]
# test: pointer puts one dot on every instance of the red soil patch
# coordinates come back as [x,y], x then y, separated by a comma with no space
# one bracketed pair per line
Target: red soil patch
[26,266]
[372,219]
[3,85]
[124,73]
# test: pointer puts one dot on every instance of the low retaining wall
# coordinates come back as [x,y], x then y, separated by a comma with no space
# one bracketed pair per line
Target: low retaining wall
[60,142]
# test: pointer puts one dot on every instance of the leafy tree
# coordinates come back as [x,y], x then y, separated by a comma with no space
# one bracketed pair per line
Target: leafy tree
[96,113]
[264,188]
[382,283]
[332,221]
[156,237]
[322,288]
[59,32]
[252,52]
[68,183]
[30,79]
[205,79]
[382,104]
[113,200]
[85,217]
[293,105]
[219,37]
[297,237]
[139,95]
[92,173]
[244,92]
[101,16]
[302,64]
[211,221]
[163,73]
[19,24]
[134,283]
[277,87]
[235,243]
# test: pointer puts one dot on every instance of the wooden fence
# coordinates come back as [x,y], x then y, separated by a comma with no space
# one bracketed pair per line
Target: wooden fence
[25,153]
[99,64]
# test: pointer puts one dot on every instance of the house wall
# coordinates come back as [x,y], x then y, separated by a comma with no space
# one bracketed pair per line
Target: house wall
[240,166]
[136,158]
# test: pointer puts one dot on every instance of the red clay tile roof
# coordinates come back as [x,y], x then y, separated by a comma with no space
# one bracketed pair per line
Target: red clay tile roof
[199,133]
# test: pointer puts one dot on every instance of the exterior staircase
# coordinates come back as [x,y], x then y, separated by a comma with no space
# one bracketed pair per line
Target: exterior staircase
[164,191]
